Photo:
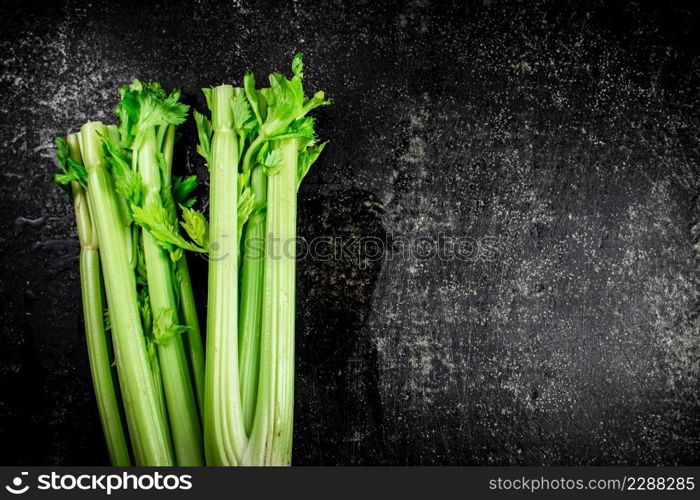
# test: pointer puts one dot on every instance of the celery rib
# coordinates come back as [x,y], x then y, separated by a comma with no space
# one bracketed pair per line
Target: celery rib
[271,439]
[93,313]
[193,337]
[250,315]
[179,396]
[148,432]
[224,433]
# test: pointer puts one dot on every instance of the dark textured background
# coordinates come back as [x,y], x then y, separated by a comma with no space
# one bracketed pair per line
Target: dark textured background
[567,131]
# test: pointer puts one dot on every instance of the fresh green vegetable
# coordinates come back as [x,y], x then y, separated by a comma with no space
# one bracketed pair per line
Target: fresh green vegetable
[148,118]
[233,404]
[292,149]
[68,155]
[224,434]
[192,337]
[272,433]
[148,431]
[133,213]
[250,317]
[250,351]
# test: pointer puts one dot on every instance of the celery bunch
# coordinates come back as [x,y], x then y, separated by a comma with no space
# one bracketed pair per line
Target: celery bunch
[167,403]
[127,205]
[259,145]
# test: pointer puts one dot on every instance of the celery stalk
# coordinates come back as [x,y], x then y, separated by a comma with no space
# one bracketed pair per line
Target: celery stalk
[193,337]
[93,312]
[224,433]
[188,310]
[282,219]
[283,145]
[179,395]
[271,439]
[148,431]
[250,314]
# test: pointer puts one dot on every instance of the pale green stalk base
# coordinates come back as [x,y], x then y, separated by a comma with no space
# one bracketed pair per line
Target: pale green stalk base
[224,434]
[250,309]
[154,364]
[93,313]
[271,439]
[249,324]
[98,354]
[179,396]
[193,338]
[188,310]
[148,432]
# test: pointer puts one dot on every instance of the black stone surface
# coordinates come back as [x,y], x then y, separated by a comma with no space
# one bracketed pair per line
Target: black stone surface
[566,132]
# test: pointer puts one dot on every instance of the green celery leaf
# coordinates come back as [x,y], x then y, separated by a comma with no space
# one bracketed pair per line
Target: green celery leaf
[204,131]
[253,96]
[127,182]
[158,221]
[287,102]
[242,114]
[71,170]
[145,106]
[183,187]
[196,226]
[272,162]
[164,329]
[307,157]
[246,204]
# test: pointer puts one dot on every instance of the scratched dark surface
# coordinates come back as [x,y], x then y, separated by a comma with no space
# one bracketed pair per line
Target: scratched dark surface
[564,134]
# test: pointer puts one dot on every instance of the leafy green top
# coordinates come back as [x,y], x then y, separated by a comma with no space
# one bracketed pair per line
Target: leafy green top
[259,117]
[145,107]
[71,170]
